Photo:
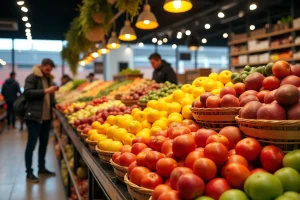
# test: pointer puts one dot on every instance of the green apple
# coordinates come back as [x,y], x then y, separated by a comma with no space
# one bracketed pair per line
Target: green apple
[289,178]
[292,159]
[233,194]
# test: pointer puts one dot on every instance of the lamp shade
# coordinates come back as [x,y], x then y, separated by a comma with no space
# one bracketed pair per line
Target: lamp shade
[127,32]
[113,42]
[177,6]
[146,19]
[193,43]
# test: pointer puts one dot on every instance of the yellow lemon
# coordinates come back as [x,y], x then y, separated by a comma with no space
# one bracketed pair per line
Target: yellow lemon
[186,112]
[134,127]
[134,111]
[198,82]
[216,91]
[169,98]
[154,130]
[115,146]
[225,76]
[143,134]
[152,104]
[174,107]
[124,123]
[148,130]
[174,119]
[153,115]
[178,95]
[96,125]
[229,84]
[104,144]
[91,132]
[187,88]
[118,119]
[97,137]
[111,120]
[214,76]
[106,126]
[198,91]
[163,113]
[161,123]
[164,119]
[119,134]
[161,105]
[209,85]
[140,116]
[219,84]
[187,100]
[147,110]
[110,131]
[176,115]
[146,124]
[127,116]
[128,138]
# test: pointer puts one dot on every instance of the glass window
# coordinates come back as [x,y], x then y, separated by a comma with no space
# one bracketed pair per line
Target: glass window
[5,44]
[39,45]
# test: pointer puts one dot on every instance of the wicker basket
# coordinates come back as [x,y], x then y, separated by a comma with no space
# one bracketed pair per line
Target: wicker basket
[137,192]
[142,105]
[215,118]
[105,156]
[83,136]
[130,102]
[91,144]
[119,170]
[284,134]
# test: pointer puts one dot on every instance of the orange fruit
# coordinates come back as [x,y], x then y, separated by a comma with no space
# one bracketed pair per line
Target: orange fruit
[153,115]
[115,146]
[119,134]
[124,123]
[161,105]
[154,130]
[111,120]
[128,138]
[186,112]
[91,132]
[134,127]
[161,123]
[110,131]
[134,111]
[163,113]
[106,126]
[118,120]
[146,124]
[225,76]
[96,125]
[176,115]
[127,116]
[152,104]
[104,144]
[97,137]
[140,116]
[169,98]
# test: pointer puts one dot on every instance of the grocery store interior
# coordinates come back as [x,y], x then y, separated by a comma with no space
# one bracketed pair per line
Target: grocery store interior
[150,99]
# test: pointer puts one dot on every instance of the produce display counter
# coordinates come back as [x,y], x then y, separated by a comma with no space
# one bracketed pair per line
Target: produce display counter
[103,174]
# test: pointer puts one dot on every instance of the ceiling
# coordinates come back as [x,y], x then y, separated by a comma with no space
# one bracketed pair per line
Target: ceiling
[50,19]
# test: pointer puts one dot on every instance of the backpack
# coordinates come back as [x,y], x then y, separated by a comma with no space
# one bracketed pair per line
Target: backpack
[20,106]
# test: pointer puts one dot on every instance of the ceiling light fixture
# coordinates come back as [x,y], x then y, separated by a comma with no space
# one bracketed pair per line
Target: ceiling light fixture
[177,6]
[241,14]
[95,55]
[179,36]
[146,19]
[252,27]
[127,33]
[154,40]
[141,44]
[165,40]
[28,34]
[25,19]
[221,15]
[82,63]
[24,9]
[174,46]
[204,40]
[159,42]
[20,3]
[207,26]
[225,35]
[27,30]
[188,32]
[103,50]
[28,25]
[193,43]
[253,6]
[2,62]
[113,42]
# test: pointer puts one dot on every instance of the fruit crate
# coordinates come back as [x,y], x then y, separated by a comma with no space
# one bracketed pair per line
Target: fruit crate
[215,118]
[284,134]
[127,77]
[257,32]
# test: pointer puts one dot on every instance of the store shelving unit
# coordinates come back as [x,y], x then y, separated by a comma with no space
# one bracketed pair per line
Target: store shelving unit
[100,173]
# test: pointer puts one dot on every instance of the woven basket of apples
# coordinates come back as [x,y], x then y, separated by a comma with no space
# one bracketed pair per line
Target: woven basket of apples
[217,111]
[137,192]
[119,170]
[272,110]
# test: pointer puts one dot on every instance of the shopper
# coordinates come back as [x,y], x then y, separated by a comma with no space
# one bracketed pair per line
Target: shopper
[162,70]
[65,79]
[39,92]
[91,77]
[10,92]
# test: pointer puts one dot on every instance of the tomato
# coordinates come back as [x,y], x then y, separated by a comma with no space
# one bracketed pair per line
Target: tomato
[152,158]
[176,173]
[117,160]
[140,139]
[174,132]
[257,170]
[233,194]
[205,168]
[169,195]
[292,159]
[218,138]
[131,167]
[233,134]
[190,186]
[126,148]
[249,148]
[162,133]
[231,152]
[167,146]
[137,173]
[263,185]
[137,148]
[140,159]
[151,180]
[217,152]
[127,158]
[237,159]
[165,166]
[171,155]
[216,187]
[236,174]
[159,190]
[192,157]
[183,145]
[202,135]
[271,158]
[156,142]
[115,155]
[289,178]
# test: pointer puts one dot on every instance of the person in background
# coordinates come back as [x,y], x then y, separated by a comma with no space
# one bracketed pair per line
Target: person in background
[10,92]
[91,77]
[65,79]
[39,93]
[162,70]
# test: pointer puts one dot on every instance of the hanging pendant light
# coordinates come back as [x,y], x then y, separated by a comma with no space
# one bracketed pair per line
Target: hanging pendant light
[127,32]
[113,42]
[193,43]
[177,6]
[146,19]
[103,50]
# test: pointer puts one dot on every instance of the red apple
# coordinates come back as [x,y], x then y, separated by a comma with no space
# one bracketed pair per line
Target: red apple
[271,111]
[271,83]
[254,81]
[227,90]
[230,101]
[249,111]
[197,104]
[270,97]
[281,69]
[239,88]
[291,79]
[202,135]
[204,96]
[295,69]
[261,95]
[213,102]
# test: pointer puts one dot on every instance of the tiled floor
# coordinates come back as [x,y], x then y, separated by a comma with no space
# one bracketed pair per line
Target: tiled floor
[13,185]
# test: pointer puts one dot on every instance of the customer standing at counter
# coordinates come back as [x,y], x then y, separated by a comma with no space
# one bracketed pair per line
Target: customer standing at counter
[39,93]
[162,70]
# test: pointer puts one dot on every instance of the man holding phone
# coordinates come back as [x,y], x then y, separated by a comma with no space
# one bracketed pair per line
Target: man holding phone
[39,93]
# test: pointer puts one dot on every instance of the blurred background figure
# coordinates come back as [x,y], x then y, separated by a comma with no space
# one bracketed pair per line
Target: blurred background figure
[91,77]
[11,91]
[65,79]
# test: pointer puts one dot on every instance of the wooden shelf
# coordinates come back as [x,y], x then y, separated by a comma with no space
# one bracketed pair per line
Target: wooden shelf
[262,63]
[234,42]
[266,49]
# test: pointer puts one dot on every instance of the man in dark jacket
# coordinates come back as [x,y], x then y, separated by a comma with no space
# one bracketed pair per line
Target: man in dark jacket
[39,92]
[10,92]
[162,70]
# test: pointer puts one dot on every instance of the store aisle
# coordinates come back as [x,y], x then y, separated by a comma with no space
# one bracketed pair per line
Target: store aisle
[13,185]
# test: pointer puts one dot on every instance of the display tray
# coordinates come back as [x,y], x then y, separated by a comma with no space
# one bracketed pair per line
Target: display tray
[112,187]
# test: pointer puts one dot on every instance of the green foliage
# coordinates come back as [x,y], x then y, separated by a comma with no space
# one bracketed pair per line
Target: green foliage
[130,71]
[130,6]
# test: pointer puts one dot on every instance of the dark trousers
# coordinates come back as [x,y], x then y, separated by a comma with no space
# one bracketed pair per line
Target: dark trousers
[37,131]
[11,117]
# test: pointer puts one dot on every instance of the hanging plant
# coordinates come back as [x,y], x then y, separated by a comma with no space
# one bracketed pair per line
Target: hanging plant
[130,6]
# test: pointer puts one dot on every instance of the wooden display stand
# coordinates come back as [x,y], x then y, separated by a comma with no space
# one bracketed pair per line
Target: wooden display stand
[190,75]
[127,77]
